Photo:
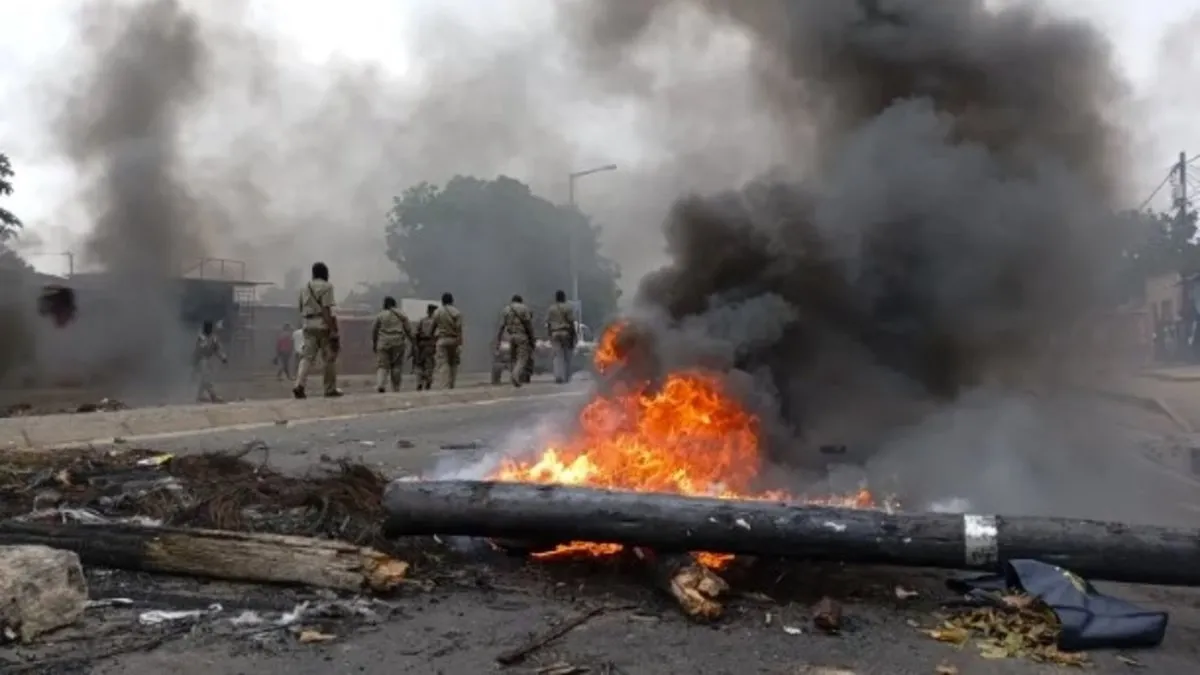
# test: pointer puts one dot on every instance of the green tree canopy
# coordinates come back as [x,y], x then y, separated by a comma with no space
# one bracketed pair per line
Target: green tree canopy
[1149,244]
[484,240]
[9,223]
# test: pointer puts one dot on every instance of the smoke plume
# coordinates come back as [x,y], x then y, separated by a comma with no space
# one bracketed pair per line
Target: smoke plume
[122,128]
[935,227]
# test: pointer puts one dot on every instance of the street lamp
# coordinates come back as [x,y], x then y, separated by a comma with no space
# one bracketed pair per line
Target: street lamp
[571,178]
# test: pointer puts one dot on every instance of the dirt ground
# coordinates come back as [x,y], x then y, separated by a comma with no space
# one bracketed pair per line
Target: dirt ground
[467,603]
[460,616]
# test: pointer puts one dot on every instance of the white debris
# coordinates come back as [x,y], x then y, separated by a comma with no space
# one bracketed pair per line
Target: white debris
[158,616]
[950,505]
[247,618]
[836,527]
[793,630]
[109,602]
[740,522]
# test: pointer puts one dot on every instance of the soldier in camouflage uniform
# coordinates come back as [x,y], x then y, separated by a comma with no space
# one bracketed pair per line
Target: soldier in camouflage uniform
[423,350]
[517,322]
[560,324]
[448,340]
[391,334]
[321,337]
[208,347]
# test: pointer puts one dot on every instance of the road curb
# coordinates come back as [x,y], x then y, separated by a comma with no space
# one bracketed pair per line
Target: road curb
[50,431]
[1151,403]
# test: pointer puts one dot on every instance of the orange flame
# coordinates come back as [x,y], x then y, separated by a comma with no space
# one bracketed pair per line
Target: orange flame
[687,437]
[607,354]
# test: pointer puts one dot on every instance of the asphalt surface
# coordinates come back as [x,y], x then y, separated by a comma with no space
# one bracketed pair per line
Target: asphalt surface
[460,624]
[45,401]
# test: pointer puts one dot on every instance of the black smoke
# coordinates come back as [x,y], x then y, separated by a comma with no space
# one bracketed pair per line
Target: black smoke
[940,223]
[122,128]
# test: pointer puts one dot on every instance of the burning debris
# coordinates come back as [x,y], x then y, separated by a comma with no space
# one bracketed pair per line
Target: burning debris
[680,433]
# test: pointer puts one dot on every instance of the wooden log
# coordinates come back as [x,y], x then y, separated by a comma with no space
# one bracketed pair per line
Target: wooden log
[697,589]
[217,554]
[672,523]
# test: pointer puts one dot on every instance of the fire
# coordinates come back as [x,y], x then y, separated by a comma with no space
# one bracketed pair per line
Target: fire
[607,355]
[686,437]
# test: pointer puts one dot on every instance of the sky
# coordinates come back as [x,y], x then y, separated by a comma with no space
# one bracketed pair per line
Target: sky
[393,38]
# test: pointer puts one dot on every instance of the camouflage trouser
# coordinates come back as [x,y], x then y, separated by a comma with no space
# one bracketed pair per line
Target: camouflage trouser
[560,342]
[317,342]
[423,365]
[389,365]
[449,352]
[520,358]
[204,385]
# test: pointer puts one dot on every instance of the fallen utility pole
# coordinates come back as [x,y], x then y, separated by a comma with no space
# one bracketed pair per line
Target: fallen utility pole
[216,554]
[671,523]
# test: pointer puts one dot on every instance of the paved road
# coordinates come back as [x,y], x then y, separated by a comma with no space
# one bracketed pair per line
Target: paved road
[56,400]
[401,442]
[454,630]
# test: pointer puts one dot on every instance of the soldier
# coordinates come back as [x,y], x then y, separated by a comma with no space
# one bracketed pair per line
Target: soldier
[320,332]
[448,339]
[423,350]
[560,324]
[208,346]
[517,321]
[391,333]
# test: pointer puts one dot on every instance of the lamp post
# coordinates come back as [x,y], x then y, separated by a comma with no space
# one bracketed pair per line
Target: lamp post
[571,178]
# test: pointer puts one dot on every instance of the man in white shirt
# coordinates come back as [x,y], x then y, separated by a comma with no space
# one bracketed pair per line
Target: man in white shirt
[297,347]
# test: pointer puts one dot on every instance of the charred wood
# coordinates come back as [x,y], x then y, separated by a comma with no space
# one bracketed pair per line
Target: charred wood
[677,524]
[217,554]
[697,589]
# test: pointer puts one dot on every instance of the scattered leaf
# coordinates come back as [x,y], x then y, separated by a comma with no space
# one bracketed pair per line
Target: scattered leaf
[309,636]
[953,634]
[1021,628]
[946,669]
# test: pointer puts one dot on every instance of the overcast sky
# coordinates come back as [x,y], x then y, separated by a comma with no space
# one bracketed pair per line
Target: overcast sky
[33,35]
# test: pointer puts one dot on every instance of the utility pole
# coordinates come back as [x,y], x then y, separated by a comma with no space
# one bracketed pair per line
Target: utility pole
[571,178]
[1182,201]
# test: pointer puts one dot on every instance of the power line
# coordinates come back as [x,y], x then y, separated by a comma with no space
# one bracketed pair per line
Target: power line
[1166,179]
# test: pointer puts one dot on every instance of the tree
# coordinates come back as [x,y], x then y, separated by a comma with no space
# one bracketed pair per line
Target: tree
[486,240]
[9,223]
[1148,244]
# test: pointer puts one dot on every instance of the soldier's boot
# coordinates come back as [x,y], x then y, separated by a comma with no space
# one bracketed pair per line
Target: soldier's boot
[301,378]
[381,378]
[329,379]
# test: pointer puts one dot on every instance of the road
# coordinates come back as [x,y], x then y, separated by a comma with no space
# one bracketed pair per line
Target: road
[44,401]
[459,628]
